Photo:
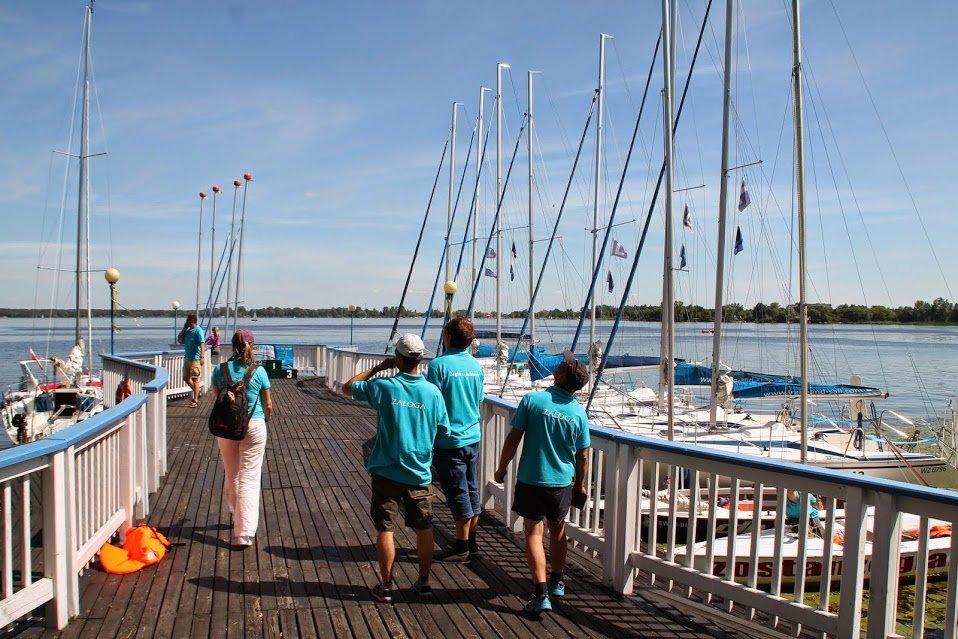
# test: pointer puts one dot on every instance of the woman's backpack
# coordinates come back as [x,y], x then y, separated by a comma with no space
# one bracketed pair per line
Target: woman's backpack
[230,416]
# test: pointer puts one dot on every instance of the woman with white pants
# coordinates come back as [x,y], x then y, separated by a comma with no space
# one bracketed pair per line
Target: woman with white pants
[243,459]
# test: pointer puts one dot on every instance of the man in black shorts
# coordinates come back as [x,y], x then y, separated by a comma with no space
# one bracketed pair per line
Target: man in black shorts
[552,471]
[410,413]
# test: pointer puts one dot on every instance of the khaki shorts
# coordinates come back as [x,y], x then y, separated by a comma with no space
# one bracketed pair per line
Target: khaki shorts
[387,496]
[191,370]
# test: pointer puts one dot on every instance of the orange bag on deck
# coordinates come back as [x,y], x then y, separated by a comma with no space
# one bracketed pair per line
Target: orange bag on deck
[144,546]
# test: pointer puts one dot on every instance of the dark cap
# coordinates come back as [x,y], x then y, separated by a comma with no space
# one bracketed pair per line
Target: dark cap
[575,371]
[242,337]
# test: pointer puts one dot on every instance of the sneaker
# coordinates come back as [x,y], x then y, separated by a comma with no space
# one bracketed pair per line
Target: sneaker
[422,588]
[382,593]
[557,588]
[536,605]
[451,555]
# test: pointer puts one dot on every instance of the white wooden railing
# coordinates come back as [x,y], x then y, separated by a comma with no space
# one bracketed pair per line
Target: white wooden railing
[636,542]
[80,486]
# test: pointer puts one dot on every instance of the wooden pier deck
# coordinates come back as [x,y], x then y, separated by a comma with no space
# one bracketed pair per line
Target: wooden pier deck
[313,563]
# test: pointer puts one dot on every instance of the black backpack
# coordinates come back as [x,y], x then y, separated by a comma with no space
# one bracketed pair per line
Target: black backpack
[230,416]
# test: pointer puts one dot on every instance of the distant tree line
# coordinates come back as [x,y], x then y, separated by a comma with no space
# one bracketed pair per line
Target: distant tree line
[940,311]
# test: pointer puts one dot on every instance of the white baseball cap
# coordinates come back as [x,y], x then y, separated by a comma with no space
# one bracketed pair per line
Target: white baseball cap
[410,345]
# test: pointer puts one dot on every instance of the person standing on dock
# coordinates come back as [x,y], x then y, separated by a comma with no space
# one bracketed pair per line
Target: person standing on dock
[552,471]
[460,379]
[194,351]
[213,341]
[243,459]
[410,413]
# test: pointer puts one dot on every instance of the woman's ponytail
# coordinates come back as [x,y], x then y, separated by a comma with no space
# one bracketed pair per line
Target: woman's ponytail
[247,354]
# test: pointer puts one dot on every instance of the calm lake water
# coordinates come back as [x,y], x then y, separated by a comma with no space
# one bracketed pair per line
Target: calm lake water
[918,365]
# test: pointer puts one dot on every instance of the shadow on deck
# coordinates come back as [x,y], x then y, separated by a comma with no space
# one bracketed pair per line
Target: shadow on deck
[313,563]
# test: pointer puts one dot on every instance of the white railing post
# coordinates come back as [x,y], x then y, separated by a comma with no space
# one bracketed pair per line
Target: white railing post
[127,473]
[853,566]
[621,528]
[141,474]
[56,539]
[883,576]
[152,442]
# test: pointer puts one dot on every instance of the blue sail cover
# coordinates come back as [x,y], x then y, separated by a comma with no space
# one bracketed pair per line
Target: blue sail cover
[631,361]
[541,364]
[485,350]
[751,385]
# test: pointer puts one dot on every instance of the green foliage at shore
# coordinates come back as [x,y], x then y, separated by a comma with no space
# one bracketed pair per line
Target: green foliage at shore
[939,311]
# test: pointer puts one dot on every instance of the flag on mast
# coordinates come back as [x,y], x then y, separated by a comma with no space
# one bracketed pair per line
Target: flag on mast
[687,218]
[515,254]
[682,261]
[609,281]
[744,199]
[491,253]
[491,273]
[618,250]
[739,242]
[512,274]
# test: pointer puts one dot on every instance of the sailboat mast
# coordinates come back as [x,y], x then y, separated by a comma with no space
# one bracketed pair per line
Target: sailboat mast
[532,186]
[230,243]
[199,255]
[452,188]
[667,377]
[216,191]
[600,101]
[247,178]
[800,204]
[723,204]
[498,230]
[83,239]
[480,153]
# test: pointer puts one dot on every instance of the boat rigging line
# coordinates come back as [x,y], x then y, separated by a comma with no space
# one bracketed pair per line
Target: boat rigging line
[495,221]
[415,253]
[615,204]
[648,218]
[555,227]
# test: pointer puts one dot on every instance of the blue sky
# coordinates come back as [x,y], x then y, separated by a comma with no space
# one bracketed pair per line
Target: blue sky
[340,111]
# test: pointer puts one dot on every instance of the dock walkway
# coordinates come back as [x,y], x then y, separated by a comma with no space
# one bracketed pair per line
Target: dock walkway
[314,560]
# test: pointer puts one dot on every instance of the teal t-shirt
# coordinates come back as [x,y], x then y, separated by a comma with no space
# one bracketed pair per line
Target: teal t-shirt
[460,379]
[258,382]
[556,428]
[793,509]
[410,412]
[191,343]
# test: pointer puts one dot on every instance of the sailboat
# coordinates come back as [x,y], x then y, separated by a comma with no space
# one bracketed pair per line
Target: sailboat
[254,318]
[56,393]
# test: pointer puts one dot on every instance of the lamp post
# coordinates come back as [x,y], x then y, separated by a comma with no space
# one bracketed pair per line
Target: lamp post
[352,315]
[176,307]
[449,288]
[112,276]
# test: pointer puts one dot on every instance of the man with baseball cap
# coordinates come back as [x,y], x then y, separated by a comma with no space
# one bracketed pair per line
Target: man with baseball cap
[410,413]
[552,471]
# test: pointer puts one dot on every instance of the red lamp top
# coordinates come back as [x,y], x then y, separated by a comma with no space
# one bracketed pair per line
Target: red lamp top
[202,195]
[216,188]
[248,177]
[236,183]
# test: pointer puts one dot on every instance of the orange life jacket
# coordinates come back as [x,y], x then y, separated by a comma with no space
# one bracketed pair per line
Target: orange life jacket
[143,546]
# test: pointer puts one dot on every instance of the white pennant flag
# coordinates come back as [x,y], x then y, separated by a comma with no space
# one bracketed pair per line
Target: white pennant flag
[687,218]
[618,250]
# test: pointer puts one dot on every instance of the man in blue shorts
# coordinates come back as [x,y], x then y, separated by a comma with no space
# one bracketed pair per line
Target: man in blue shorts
[460,379]
[193,354]
[552,472]
[410,412]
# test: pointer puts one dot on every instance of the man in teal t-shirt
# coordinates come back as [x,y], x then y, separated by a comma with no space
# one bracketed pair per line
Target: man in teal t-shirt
[460,378]
[410,414]
[552,471]
[193,354]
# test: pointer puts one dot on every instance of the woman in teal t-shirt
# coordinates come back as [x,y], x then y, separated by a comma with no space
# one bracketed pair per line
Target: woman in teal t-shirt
[243,459]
